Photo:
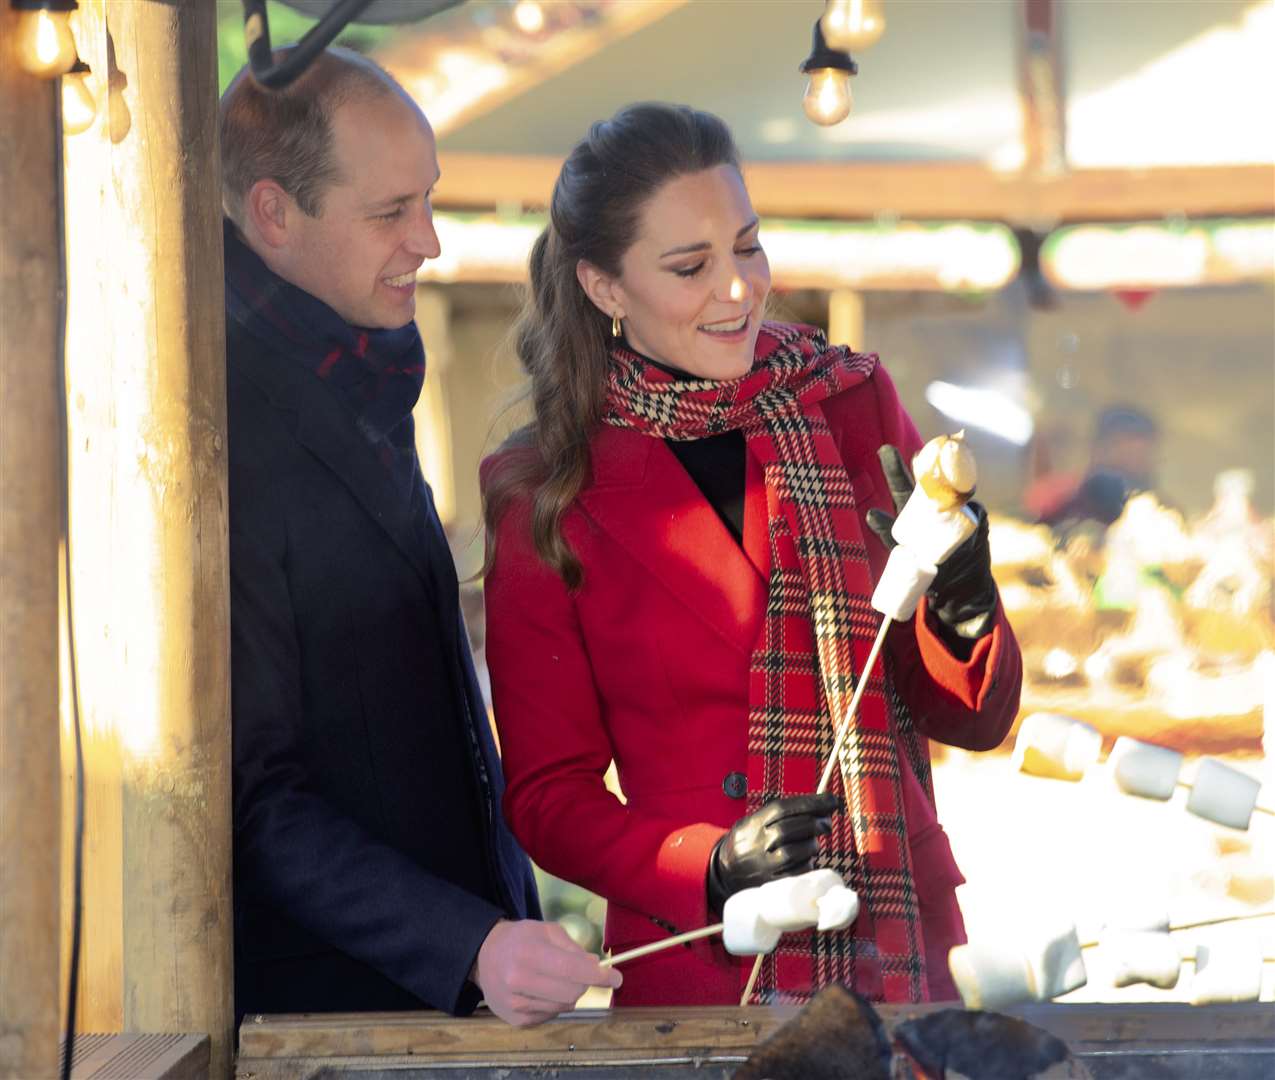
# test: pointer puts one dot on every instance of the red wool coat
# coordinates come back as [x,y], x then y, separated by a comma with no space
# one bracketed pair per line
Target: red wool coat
[648,665]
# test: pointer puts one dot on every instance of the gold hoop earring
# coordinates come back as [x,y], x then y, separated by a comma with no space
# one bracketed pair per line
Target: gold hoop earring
[615,324]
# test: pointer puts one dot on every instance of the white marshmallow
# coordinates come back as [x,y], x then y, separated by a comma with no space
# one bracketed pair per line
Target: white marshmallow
[838,908]
[1223,794]
[1227,973]
[1145,769]
[1057,746]
[791,903]
[991,976]
[746,932]
[1056,961]
[1137,956]
[932,534]
[902,584]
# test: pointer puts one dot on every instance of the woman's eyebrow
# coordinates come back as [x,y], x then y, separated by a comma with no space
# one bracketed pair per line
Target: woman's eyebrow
[704,245]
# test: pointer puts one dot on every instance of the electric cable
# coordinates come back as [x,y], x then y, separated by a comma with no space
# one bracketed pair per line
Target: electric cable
[64,425]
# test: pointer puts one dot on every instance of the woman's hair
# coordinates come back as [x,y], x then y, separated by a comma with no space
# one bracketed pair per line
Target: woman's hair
[561,338]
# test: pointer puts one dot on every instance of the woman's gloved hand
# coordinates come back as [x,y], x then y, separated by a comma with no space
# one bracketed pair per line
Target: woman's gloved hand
[963,595]
[780,839]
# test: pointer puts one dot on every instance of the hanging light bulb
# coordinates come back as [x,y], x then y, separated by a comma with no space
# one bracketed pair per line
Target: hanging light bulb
[529,16]
[853,24]
[42,38]
[79,109]
[828,98]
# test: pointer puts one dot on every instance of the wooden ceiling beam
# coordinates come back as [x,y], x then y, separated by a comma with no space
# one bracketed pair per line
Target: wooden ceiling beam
[916,191]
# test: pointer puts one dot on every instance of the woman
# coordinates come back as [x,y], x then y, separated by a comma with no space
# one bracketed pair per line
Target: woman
[691,477]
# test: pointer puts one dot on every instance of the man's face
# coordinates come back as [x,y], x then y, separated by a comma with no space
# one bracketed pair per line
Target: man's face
[376,225]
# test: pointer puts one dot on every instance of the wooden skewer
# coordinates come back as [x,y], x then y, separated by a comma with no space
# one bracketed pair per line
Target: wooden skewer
[853,708]
[752,980]
[1217,920]
[660,946]
[851,711]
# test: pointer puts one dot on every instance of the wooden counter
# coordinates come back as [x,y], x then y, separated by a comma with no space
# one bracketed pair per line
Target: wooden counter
[1116,1042]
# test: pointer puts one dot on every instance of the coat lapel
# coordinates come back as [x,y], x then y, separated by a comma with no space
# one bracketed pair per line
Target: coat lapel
[327,431]
[647,503]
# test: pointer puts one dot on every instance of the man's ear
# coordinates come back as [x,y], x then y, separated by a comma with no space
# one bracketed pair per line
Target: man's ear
[601,288]
[270,210]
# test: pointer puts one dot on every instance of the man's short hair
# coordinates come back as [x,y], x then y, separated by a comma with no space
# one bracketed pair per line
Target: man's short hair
[1117,420]
[286,135]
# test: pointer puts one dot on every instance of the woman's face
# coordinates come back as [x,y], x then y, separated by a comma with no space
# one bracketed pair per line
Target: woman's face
[692,286]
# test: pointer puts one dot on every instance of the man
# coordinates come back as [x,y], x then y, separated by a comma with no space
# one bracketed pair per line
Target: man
[1122,461]
[372,867]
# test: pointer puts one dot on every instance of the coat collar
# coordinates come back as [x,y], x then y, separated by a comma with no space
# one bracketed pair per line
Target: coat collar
[326,428]
[643,498]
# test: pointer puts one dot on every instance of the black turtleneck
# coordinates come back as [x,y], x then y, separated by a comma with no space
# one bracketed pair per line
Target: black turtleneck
[715,463]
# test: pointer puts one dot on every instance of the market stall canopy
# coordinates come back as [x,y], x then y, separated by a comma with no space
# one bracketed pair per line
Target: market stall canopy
[951,103]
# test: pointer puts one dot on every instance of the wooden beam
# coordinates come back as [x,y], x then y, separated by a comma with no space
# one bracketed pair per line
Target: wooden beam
[1040,90]
[30,525]
[149,537]
[275,1047]
[915,191]
[477,69]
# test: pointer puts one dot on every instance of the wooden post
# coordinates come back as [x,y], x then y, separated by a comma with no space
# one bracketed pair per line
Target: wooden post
[149,548]
[433,419]
[1041,92]
[845,319]
[30,524]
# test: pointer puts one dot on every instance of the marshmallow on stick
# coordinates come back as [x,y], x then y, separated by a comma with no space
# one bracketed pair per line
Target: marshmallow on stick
[991,975]
[753,920]
[1224,795]
[1142,768]
[932,523]
[1226,973]
[1057,746]
[935,520]
[1142,956]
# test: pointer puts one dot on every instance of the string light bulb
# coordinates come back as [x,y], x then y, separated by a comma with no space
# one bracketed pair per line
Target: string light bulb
[79,108]
[42,38]
[529,16]
[853,25]
[828,98]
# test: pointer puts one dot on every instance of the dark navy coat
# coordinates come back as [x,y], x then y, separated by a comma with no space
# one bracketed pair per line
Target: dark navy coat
[354,704]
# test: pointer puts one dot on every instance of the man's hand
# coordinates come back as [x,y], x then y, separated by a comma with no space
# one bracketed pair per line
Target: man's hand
[778,840]
[529,971]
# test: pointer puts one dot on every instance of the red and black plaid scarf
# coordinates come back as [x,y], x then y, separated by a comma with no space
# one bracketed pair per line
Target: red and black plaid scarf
[378,374]
[818,629]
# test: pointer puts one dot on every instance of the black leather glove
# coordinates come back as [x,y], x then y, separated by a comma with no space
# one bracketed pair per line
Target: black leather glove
[963,595]
[780,839]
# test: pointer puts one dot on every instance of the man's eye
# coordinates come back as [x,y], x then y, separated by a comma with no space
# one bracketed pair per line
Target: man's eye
[754,250]
[689,271]
[395,213]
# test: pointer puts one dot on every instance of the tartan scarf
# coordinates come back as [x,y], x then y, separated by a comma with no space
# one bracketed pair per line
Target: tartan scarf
[377,374]
[818,628]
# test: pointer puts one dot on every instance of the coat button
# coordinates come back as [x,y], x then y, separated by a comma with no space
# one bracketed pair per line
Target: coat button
[735,785]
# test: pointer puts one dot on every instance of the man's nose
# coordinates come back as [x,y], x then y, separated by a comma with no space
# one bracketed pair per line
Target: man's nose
[423,239]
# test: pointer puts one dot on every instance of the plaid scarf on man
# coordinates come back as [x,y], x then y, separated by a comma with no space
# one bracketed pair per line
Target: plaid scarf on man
[378,374]
[818,629]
